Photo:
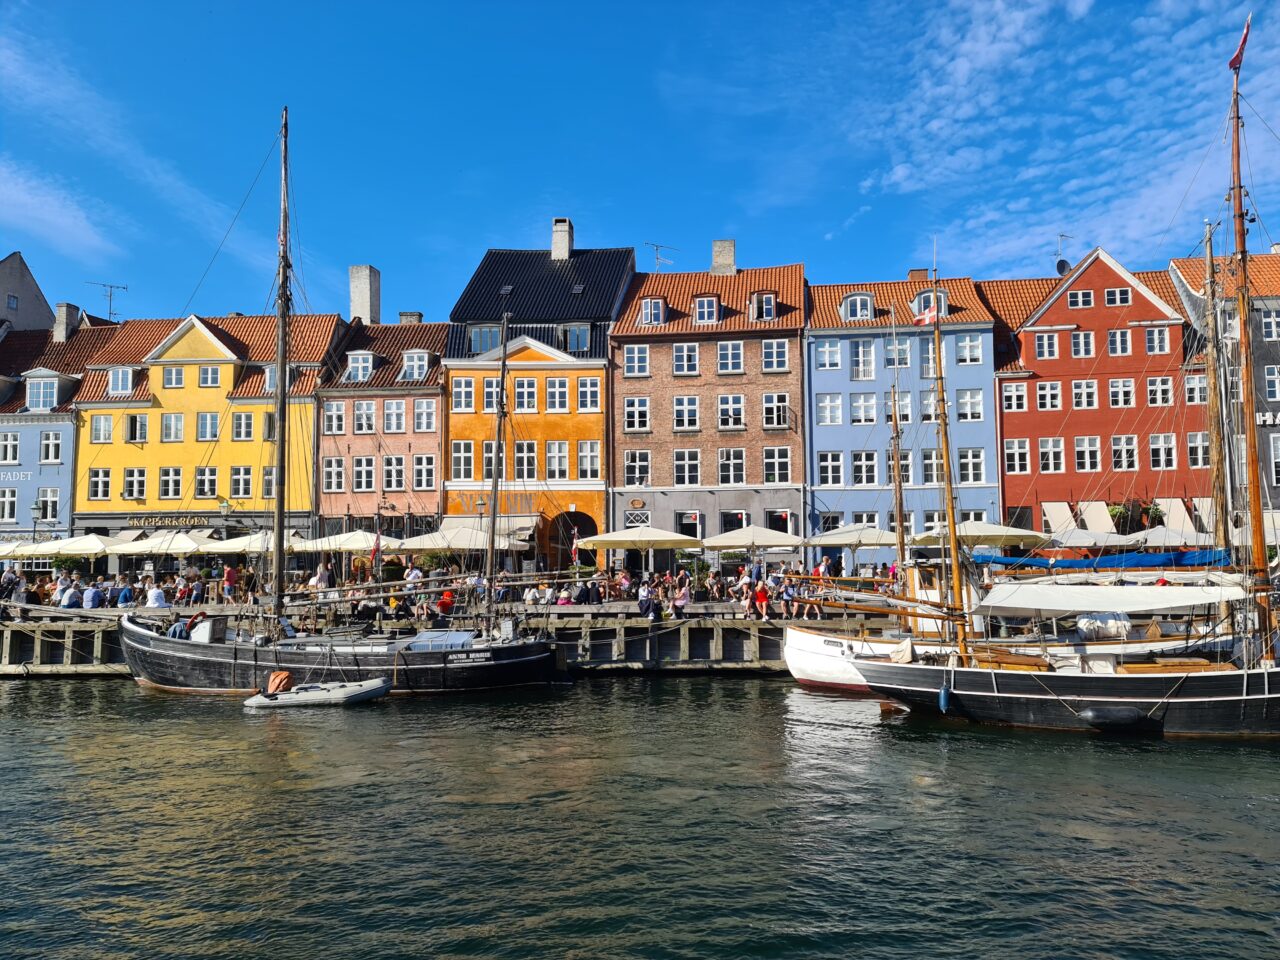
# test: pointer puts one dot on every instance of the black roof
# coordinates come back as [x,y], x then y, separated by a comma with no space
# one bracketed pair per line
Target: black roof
[542,289]
[459,343]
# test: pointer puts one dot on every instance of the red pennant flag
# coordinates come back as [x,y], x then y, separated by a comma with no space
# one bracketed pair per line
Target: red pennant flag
[1238,58]
[573,550]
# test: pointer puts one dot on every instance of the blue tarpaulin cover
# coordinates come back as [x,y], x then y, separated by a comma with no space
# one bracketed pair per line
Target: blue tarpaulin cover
[1114,561]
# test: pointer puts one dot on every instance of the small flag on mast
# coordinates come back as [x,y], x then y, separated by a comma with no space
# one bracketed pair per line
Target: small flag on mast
[573,549]
[1238,57]
[377,548]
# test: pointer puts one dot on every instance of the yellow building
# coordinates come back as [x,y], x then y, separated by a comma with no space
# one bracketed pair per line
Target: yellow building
[176,424]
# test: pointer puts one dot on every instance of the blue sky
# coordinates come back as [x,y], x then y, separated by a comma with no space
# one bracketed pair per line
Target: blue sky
[841,135]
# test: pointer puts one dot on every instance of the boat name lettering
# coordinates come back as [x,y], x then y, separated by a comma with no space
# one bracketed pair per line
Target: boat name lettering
[477,655]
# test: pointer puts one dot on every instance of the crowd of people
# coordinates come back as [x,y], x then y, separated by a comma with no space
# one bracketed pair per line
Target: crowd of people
[72,589]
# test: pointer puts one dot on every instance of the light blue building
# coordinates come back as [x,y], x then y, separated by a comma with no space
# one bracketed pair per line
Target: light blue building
[862,342]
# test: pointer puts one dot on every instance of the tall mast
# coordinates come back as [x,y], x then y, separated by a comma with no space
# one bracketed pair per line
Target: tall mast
[1217,453]
[896,455]
[284,304]
[497,466]
[944,439]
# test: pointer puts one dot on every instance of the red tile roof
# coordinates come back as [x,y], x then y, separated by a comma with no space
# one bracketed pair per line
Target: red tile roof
[93,388]
[133,340]
[23,350]
[1161,284]
[1012,301]
[891,301]
[387,342]
[250,338]
[252,385]
[1264,273]
[734,291]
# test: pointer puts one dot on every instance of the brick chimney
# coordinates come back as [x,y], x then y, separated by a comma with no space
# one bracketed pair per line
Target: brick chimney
[918,273]
[724,260]
[561,238]
[66,321]
[407,316]
[366,293]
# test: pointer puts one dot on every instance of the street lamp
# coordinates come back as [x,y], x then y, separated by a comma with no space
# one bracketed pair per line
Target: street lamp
[37,514]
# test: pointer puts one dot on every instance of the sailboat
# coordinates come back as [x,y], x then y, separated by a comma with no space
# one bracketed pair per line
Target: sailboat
[1169,697]
[207,654]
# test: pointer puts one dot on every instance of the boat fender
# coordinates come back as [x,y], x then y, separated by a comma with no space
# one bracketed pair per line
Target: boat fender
[1112,718]
[944,697]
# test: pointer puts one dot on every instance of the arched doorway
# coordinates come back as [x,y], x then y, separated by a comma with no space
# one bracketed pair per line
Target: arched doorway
[560,539]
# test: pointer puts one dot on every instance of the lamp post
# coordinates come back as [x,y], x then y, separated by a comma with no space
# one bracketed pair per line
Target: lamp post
[37,514]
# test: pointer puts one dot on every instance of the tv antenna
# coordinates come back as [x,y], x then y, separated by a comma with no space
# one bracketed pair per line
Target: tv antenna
[1063,265]
[109,291]
[658,258]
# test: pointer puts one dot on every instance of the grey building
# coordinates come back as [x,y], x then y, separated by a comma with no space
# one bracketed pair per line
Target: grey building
[22,304]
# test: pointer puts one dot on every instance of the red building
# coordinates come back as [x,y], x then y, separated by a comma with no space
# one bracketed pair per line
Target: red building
[1102,398]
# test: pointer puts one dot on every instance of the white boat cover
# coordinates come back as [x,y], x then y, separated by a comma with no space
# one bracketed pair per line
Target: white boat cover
[1177,537]
[1057,599]
[1076,537]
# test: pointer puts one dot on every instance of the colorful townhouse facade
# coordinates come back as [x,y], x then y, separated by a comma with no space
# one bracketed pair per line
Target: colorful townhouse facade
[707,391]
[1102,398]
[862,348]
[176,425]
[552,467]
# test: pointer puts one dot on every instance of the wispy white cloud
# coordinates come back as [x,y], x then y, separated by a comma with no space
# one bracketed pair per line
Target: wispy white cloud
[35,205]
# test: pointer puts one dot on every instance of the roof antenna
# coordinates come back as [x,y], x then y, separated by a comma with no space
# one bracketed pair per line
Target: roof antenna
[109,291]
[1063,266]
[658,258]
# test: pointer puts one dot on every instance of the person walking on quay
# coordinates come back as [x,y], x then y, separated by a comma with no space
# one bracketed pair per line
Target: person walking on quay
[250,585]
[228,584]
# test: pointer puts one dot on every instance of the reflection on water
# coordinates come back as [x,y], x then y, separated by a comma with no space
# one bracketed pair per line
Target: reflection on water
[646,818]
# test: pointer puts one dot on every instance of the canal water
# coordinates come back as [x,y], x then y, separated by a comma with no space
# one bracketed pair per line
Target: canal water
[655,818]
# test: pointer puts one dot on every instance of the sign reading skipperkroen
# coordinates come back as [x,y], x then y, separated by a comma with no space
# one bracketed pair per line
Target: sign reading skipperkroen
[170,520]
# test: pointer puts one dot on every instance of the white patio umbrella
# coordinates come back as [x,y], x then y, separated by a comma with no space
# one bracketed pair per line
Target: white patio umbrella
[172,543]
[752,537]
[975,532]
[88,545]
[10,547]
[640,538]
[459,540]
[262,541]
[353,541]
[853,535]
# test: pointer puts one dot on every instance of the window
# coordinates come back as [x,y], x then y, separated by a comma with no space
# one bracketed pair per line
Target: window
[732,412]
[335,417]
[415,365]
[1124,452]
[829,408]
[485,338]
[364,412]
[858,306]
[269,378]
[492,395]
[635,518]
[206,426]
[135,483]
[1121,392]
[777,411]
[1196,388]
[1049,395]
[924,301]
[1118,296]
[1164,451]
[464,394]
[170,483]
[1271,376]
[334,474]
[1088,454]
[733,467]
[8,505]
[12,301]
[1017,456]
[635,360]
[42,394]
[862,408]
[488,460]
[863,468]
[729,357]
[969,348]
[424,415]
[1046,346]
[1051,457]
[393,416]
[1198,451]
[242,426]
[172,427]
[1078,299]
[1157,340]
[1270,324]
[897,353]
[908,523]
[904,407]
[588,459]
[212,376]
[731,520]
[968,405]
[763,306]
[706,310]
[99,429]
[50,446]
[1082,343]
[777,464]
[269,428]
[687,468]
[424,471]
[685,413]
[174,378]
[526,395]
[1014,397]
[119,381]
[830,468]
[393,473]
[557,459]
[1084,394]
[461,465]
[651,310]
[635,468]
[268,483]
[557,395]
[635,414]
[928,362]
[1275,459]
[934,520]
[241,483]
[362,474]
[972,516]
[929,406]
[206,482]
[904,465]
[862,360]
[1160,391]
[1118,343]
[776,356]
[99,483]
[588,394]
[826,353]
[684,359]
[135,428]
[971,465]
[688,522]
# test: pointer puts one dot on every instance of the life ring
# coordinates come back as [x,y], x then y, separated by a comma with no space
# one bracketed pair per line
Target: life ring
[196,619]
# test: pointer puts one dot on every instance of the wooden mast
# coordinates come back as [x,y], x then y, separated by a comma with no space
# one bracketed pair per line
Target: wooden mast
[497,467]
[1217,452]
[284,305]
[896,456]
[944,440]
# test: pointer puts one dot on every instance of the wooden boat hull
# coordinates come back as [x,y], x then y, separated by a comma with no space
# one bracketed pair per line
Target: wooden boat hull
[1230,703]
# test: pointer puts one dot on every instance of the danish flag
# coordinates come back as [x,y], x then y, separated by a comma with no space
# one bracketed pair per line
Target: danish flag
[1238,57]
[928,317]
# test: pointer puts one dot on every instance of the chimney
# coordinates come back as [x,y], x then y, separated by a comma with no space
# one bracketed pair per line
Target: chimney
[918,273]
[561,238]
[407,316]
[724,257]
[366,293]
[65,322]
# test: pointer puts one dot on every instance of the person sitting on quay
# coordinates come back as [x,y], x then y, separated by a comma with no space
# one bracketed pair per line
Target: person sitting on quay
[715,586]
[72,598]
[94,599]
[154,594]
[124,596]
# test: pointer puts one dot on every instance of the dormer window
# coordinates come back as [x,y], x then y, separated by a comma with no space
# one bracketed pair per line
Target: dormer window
[269,378]
[120,381]
[858,306]
[416,363]
[924,301]
[359,367]
[42,394]
[706,310]
[577,338]
[652,310]
[485,338]
[764,306]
